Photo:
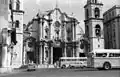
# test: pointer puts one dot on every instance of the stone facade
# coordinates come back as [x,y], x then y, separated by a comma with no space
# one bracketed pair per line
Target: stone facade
[55,34]
[94,25]
[11,20]
[111,27]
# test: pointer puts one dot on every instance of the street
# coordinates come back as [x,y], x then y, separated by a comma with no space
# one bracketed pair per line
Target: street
[55,72]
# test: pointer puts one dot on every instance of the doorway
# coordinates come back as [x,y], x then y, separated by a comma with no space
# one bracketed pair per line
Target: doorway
[30,57]
[57,53]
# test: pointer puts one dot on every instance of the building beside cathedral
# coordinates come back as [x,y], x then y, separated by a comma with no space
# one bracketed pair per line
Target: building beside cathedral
[112,27]
[55,35]
[94,31]
[11,31]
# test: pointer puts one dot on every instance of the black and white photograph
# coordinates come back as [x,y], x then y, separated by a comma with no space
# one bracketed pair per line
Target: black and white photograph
[59,38]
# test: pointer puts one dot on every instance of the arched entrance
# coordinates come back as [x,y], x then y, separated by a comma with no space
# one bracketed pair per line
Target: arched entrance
[57,53]
[30,57]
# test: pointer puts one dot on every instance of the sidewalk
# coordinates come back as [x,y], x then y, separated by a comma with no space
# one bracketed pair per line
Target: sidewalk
[7,71]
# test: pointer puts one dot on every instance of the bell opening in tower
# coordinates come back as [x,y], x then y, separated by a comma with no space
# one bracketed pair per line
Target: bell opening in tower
[57,53]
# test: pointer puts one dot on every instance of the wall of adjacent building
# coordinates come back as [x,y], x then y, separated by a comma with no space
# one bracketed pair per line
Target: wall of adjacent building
[111,27]
[4,36]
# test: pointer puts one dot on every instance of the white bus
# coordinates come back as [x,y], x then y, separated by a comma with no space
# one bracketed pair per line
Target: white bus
[104,58]
[73,62]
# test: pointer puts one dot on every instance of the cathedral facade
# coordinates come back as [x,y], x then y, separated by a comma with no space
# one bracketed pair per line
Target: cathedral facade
[55,35]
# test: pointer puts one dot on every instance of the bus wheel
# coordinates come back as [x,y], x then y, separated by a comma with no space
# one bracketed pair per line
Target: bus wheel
[63,66]
[107,66]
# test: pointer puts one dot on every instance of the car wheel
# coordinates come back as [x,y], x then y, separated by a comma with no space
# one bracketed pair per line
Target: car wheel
[63,66]
[72,67]
[84,67]
[28,70]
[107,66]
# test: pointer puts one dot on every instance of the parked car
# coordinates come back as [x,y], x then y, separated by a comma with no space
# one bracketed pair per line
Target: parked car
[31,67]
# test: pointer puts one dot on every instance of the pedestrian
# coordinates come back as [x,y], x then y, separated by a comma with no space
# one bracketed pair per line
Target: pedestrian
[55,65]
[46,62]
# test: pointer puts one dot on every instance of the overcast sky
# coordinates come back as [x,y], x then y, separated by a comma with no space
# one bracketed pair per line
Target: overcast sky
[69,6]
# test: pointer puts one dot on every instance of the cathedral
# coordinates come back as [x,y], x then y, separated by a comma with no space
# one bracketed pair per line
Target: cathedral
[52,34]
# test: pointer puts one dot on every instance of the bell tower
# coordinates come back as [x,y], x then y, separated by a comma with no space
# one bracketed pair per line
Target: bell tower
[17,9]
[94,25]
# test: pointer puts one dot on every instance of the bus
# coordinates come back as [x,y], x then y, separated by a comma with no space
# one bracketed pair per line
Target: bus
[73,62]
[104,58]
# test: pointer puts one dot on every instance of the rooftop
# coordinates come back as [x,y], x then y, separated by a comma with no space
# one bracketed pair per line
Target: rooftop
[109,10]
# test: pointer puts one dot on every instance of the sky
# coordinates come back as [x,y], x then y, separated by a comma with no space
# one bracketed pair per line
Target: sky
[76,7]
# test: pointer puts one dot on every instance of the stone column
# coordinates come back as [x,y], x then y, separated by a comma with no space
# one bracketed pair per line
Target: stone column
[65,37]
[4,56]
[49,23]
[74,32]
[65,54]
[24,56]
[73,38]
[49,46]
[40,55]
[44,55]
[51,55]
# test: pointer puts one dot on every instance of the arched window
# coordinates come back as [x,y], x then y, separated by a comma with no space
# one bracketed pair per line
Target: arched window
[98,30]
[87,14]
[87,31]
[17,5]
[95,1]
[17,24]
[97,12]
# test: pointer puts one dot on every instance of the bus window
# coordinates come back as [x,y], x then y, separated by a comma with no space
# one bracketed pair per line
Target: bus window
[62,60]
[68,59]
[73,59]
[101,54]
[114,55]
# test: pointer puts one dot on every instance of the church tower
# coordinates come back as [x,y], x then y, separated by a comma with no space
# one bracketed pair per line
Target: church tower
[94,25]
[17,38]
